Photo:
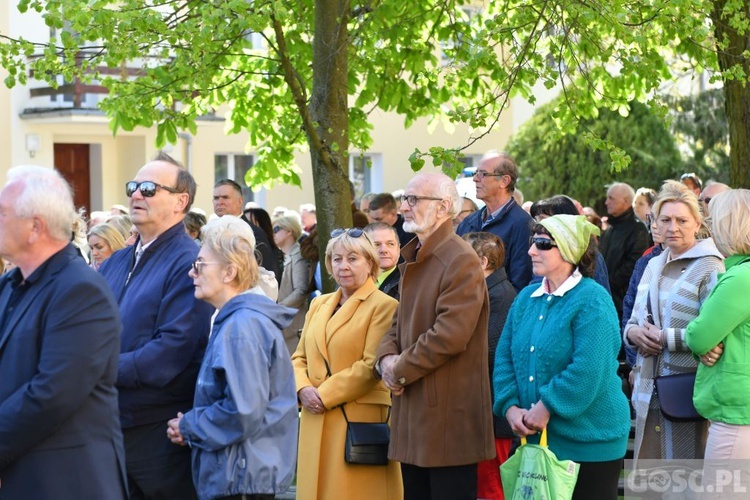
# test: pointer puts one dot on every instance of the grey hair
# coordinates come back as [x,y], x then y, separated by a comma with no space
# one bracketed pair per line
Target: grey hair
[445,188]
[45,194]
[233,241]
[626,189]
[730,221]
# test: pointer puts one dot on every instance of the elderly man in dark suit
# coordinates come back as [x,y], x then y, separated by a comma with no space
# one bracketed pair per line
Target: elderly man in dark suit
[59,344]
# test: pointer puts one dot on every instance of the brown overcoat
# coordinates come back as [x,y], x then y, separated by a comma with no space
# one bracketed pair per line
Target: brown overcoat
[347,341]
[444,417]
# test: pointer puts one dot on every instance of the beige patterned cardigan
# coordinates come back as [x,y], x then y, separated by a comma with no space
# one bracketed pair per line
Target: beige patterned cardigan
[676,289]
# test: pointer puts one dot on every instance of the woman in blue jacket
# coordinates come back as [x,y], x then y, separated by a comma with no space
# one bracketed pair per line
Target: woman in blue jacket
[243,426]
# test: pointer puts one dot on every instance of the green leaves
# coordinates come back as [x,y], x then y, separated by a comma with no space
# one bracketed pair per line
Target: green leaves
[451,61]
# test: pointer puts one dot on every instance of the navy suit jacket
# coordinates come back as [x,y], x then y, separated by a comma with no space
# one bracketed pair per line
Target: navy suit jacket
[59,425]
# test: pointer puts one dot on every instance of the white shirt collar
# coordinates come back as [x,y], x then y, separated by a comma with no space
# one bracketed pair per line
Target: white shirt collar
[566,286]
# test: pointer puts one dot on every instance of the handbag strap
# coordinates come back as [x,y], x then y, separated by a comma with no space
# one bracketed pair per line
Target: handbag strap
[328,372]
[387,417]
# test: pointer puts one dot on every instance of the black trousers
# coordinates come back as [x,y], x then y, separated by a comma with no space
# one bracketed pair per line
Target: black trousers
[440,483]
[598,480]
[157,469]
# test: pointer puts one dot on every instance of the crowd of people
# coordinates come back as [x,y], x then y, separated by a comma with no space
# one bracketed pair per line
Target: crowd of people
[154,352]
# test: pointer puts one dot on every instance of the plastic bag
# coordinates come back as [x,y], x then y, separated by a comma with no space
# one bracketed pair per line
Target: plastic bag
[534,472]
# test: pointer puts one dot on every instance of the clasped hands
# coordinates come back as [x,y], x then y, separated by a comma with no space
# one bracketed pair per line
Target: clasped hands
[387,366]
[527,422]
[173,430]
[649,340]
[309,398]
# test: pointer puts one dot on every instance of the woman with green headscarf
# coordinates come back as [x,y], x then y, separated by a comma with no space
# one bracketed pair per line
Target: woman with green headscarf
[556,364]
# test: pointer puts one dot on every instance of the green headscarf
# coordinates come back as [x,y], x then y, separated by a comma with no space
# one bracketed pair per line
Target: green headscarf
[572,234]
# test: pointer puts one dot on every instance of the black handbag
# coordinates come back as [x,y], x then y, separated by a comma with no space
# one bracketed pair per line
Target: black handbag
[675,395]
[367,442]
[674,392]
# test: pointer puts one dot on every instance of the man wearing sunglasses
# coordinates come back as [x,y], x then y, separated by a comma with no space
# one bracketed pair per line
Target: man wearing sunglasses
[434,359]
[165,328]
[495,180]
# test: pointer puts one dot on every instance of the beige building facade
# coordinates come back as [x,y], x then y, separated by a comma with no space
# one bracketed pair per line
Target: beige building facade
[56,130]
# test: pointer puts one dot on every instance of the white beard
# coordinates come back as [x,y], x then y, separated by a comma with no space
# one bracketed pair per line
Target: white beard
[429,220]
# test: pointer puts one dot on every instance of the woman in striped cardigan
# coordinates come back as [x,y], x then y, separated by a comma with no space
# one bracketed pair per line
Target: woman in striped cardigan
[670,294]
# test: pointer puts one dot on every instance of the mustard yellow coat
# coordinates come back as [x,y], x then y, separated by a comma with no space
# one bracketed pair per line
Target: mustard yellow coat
[348,340]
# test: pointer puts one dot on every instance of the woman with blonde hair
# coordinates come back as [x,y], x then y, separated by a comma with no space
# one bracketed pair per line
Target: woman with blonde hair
[104,240]
[720,335]
[670,294]
[333,366]
[295,280]
[243,425]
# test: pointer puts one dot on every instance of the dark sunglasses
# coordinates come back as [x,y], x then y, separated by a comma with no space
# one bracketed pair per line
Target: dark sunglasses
[276,229]
[354,232]
[705,200]
[542,244]
[147,188]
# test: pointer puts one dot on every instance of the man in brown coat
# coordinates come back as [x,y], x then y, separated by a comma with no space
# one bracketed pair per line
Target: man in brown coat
[434,358]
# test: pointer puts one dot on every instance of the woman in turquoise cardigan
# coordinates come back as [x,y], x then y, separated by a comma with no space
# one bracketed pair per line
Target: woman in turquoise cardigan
[722,385]
[556,364]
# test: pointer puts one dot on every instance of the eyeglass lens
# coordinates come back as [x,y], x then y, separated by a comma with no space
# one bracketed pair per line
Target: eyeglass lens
[147,188]
[542,244]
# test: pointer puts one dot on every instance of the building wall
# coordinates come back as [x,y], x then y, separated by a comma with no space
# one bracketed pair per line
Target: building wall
[116,159]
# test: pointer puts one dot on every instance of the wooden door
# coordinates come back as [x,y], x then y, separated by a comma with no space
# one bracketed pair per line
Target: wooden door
[72,160]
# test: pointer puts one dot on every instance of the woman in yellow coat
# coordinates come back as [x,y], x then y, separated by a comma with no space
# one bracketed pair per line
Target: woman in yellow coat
[341,334]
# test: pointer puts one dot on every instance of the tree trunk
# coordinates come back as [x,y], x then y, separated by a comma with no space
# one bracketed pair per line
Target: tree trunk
[329,110]
[736,91]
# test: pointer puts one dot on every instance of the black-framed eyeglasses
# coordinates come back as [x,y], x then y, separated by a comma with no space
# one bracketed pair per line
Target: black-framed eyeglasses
[542,244]
[198,264]
[412,199]
[147,188]
[354,232]
[481,175]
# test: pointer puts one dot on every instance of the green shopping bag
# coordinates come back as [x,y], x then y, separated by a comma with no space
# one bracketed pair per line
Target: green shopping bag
[535,473]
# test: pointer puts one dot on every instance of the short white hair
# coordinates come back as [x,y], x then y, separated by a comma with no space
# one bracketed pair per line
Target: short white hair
[625,189]
[730,221]
[45,194]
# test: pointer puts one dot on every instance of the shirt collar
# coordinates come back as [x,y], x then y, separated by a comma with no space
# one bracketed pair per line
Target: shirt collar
[491,216]
[384,275]
[566,286]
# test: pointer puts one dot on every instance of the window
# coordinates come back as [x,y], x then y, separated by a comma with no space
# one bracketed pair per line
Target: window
[366,173]
[231,166]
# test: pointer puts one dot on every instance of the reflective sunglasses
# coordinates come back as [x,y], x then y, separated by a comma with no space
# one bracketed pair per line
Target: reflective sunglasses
[412,200]
[198,264]
[542,244]
[354,232]
[147,188]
